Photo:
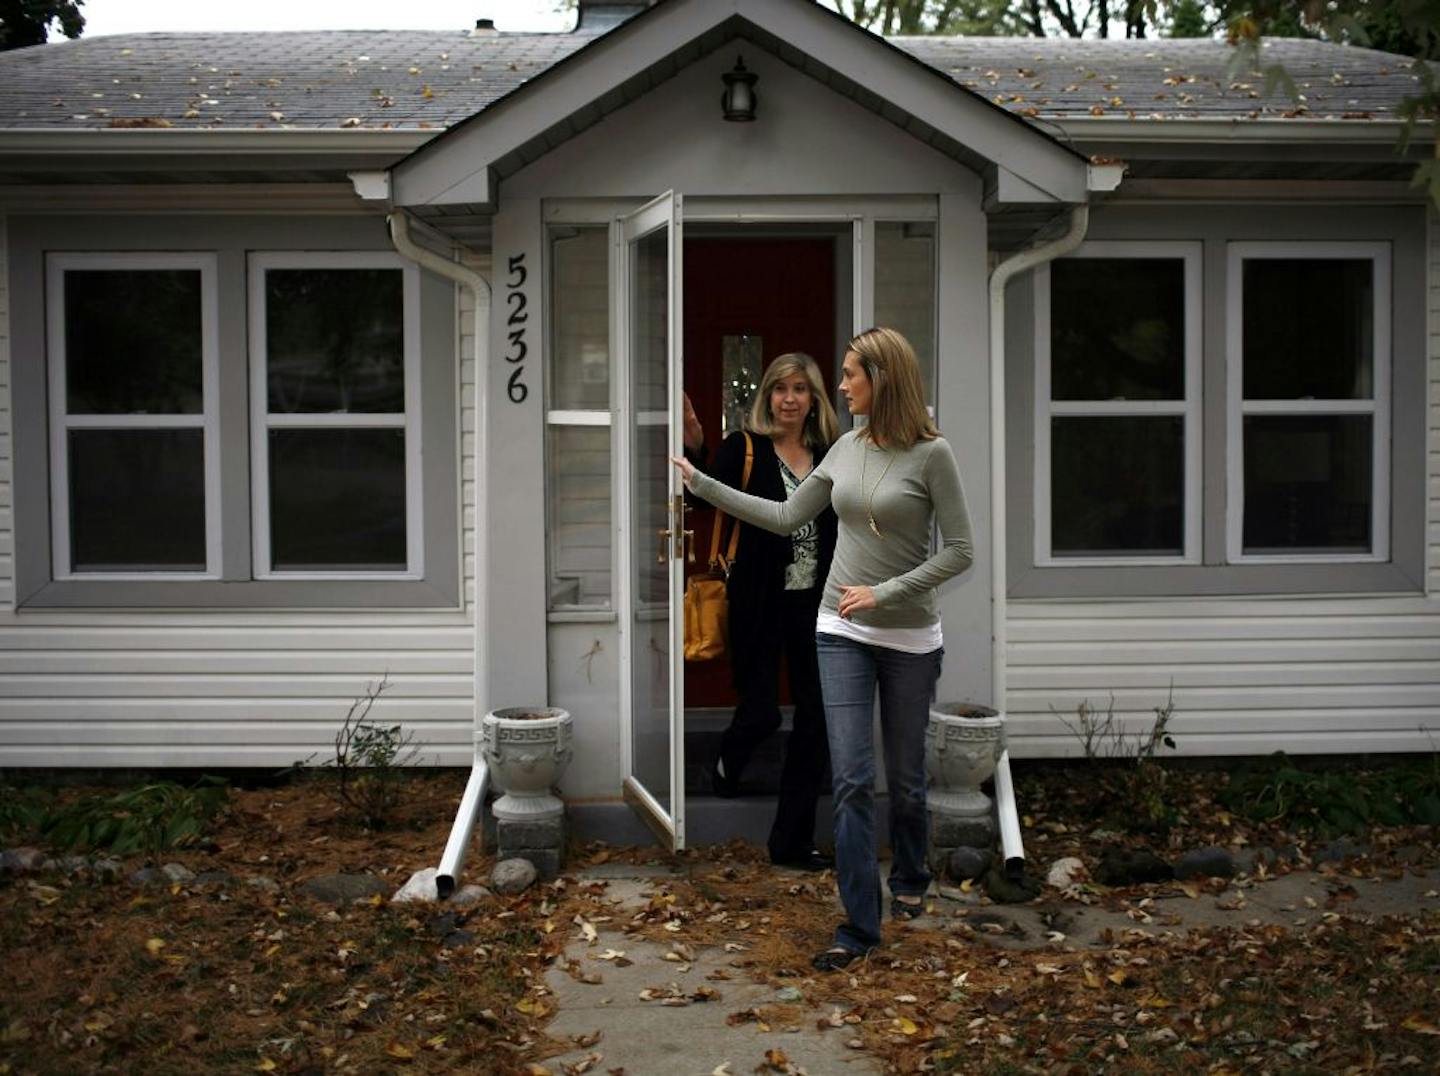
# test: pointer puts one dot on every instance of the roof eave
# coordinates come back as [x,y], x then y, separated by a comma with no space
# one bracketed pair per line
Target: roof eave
[1239,129]
[149,141]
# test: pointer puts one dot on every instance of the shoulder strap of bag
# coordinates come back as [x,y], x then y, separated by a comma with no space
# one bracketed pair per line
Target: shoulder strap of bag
[715,559]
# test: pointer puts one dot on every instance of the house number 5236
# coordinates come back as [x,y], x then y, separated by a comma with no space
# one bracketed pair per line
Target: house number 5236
[516,302]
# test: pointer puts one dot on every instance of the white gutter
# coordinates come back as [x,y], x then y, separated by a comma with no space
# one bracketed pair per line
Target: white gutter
[1240,130]
[473,798]
[1011,844]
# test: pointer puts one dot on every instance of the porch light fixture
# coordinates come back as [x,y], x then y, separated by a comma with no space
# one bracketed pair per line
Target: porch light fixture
[738,100]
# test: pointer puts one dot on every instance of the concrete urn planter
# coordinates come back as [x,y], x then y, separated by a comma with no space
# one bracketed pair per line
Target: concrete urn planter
[962,744]
[527,749]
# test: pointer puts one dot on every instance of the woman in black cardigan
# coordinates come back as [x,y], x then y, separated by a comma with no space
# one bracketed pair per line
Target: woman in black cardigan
[774,593]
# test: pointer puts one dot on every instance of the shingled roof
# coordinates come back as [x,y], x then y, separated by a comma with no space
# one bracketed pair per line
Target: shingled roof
[420,79]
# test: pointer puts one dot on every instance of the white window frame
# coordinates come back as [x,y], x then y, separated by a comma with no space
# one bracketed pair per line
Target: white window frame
[1378,406]
[262,422]
[62,422]
[559,418]
[1188,408]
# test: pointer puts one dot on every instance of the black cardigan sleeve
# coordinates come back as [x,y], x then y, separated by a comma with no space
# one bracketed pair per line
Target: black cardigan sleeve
[729,463]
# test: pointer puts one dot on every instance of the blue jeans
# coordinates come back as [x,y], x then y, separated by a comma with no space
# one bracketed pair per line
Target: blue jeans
[849,672]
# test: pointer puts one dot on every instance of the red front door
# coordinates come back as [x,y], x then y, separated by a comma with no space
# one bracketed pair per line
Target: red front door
[770,296]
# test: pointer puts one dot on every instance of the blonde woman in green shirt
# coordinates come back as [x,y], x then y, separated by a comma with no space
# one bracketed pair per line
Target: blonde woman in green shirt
[890,482]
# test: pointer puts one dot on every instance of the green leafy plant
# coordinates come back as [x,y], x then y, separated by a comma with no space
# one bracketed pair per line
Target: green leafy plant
[150,818]
[23,810]
[1336,801]
[367,770]
[1125,762]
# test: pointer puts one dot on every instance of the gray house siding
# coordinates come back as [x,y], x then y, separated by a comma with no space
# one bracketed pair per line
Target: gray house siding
[1339,670]
[257,686]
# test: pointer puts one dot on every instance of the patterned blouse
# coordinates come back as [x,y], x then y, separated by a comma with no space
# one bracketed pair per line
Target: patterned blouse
[801,573]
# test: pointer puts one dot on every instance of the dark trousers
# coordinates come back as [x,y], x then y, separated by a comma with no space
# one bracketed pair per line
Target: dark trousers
[759,636]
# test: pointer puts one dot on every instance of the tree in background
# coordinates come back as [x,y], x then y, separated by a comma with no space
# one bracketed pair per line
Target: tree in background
[1031,18]
[1404,27]
[27,22]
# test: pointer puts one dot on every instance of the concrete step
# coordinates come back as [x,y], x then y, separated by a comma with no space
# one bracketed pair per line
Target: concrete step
[703,729]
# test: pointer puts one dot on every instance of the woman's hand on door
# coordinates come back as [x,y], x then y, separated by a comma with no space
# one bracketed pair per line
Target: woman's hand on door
[686,468]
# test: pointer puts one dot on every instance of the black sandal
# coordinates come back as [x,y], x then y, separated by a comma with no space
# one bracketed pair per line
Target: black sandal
[903,909]
[835,959]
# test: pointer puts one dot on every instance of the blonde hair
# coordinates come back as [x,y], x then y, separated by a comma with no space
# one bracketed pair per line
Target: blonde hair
[898,418]
[821,425]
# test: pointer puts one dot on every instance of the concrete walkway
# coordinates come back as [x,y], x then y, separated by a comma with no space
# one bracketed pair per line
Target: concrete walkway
[655,1033]
[657,1017]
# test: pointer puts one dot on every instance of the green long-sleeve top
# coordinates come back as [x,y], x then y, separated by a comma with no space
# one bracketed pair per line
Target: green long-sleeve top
[905,490]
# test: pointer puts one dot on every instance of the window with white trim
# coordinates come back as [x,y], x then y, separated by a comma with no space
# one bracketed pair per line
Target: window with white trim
[335,416]
[578,424]
[1117,405]
[133,360]
[1308,382]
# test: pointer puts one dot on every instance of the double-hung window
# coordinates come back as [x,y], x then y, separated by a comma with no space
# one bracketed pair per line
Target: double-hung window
[1308,402]
[1117,405]
[134,441]
[1256,456]
[335,416]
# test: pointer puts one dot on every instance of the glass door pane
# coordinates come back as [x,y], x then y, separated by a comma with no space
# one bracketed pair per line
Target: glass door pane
[654,783]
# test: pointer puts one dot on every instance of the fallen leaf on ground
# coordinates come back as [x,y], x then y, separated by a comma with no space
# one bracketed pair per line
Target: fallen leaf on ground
[1415,1022]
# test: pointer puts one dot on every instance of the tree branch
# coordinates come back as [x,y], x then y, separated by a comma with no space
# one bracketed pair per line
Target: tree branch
[1066,18]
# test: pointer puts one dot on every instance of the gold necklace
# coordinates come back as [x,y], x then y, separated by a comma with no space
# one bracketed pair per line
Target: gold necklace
[870,501]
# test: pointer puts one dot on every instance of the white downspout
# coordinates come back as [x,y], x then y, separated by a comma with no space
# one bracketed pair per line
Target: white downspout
[1010,842]
[473,798]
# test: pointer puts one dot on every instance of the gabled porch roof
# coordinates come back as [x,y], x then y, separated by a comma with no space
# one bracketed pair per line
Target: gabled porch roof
[453,182]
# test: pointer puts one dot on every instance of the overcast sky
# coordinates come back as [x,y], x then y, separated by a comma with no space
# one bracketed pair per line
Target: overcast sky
[138,16]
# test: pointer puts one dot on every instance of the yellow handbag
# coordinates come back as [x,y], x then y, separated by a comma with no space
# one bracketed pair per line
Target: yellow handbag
[706,607]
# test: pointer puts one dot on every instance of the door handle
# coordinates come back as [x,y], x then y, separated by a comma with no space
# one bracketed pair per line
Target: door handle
[664,545]
[689,537]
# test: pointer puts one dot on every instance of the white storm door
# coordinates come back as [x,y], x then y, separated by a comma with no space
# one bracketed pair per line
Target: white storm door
[647,314]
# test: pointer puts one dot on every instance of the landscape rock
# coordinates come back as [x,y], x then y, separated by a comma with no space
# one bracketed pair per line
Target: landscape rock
[546,861]
[344,888]
[21,860]
[1339,850]
[420,887]
[146,876]
[968,863]
[215,878]
[468,896]
[789,994]
[1066,872]
[457,939]
[265,885]
[1131,866]
[1003,890]
[69,865]
[177,874]
[106,869]
[512,876]
[1211,862]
